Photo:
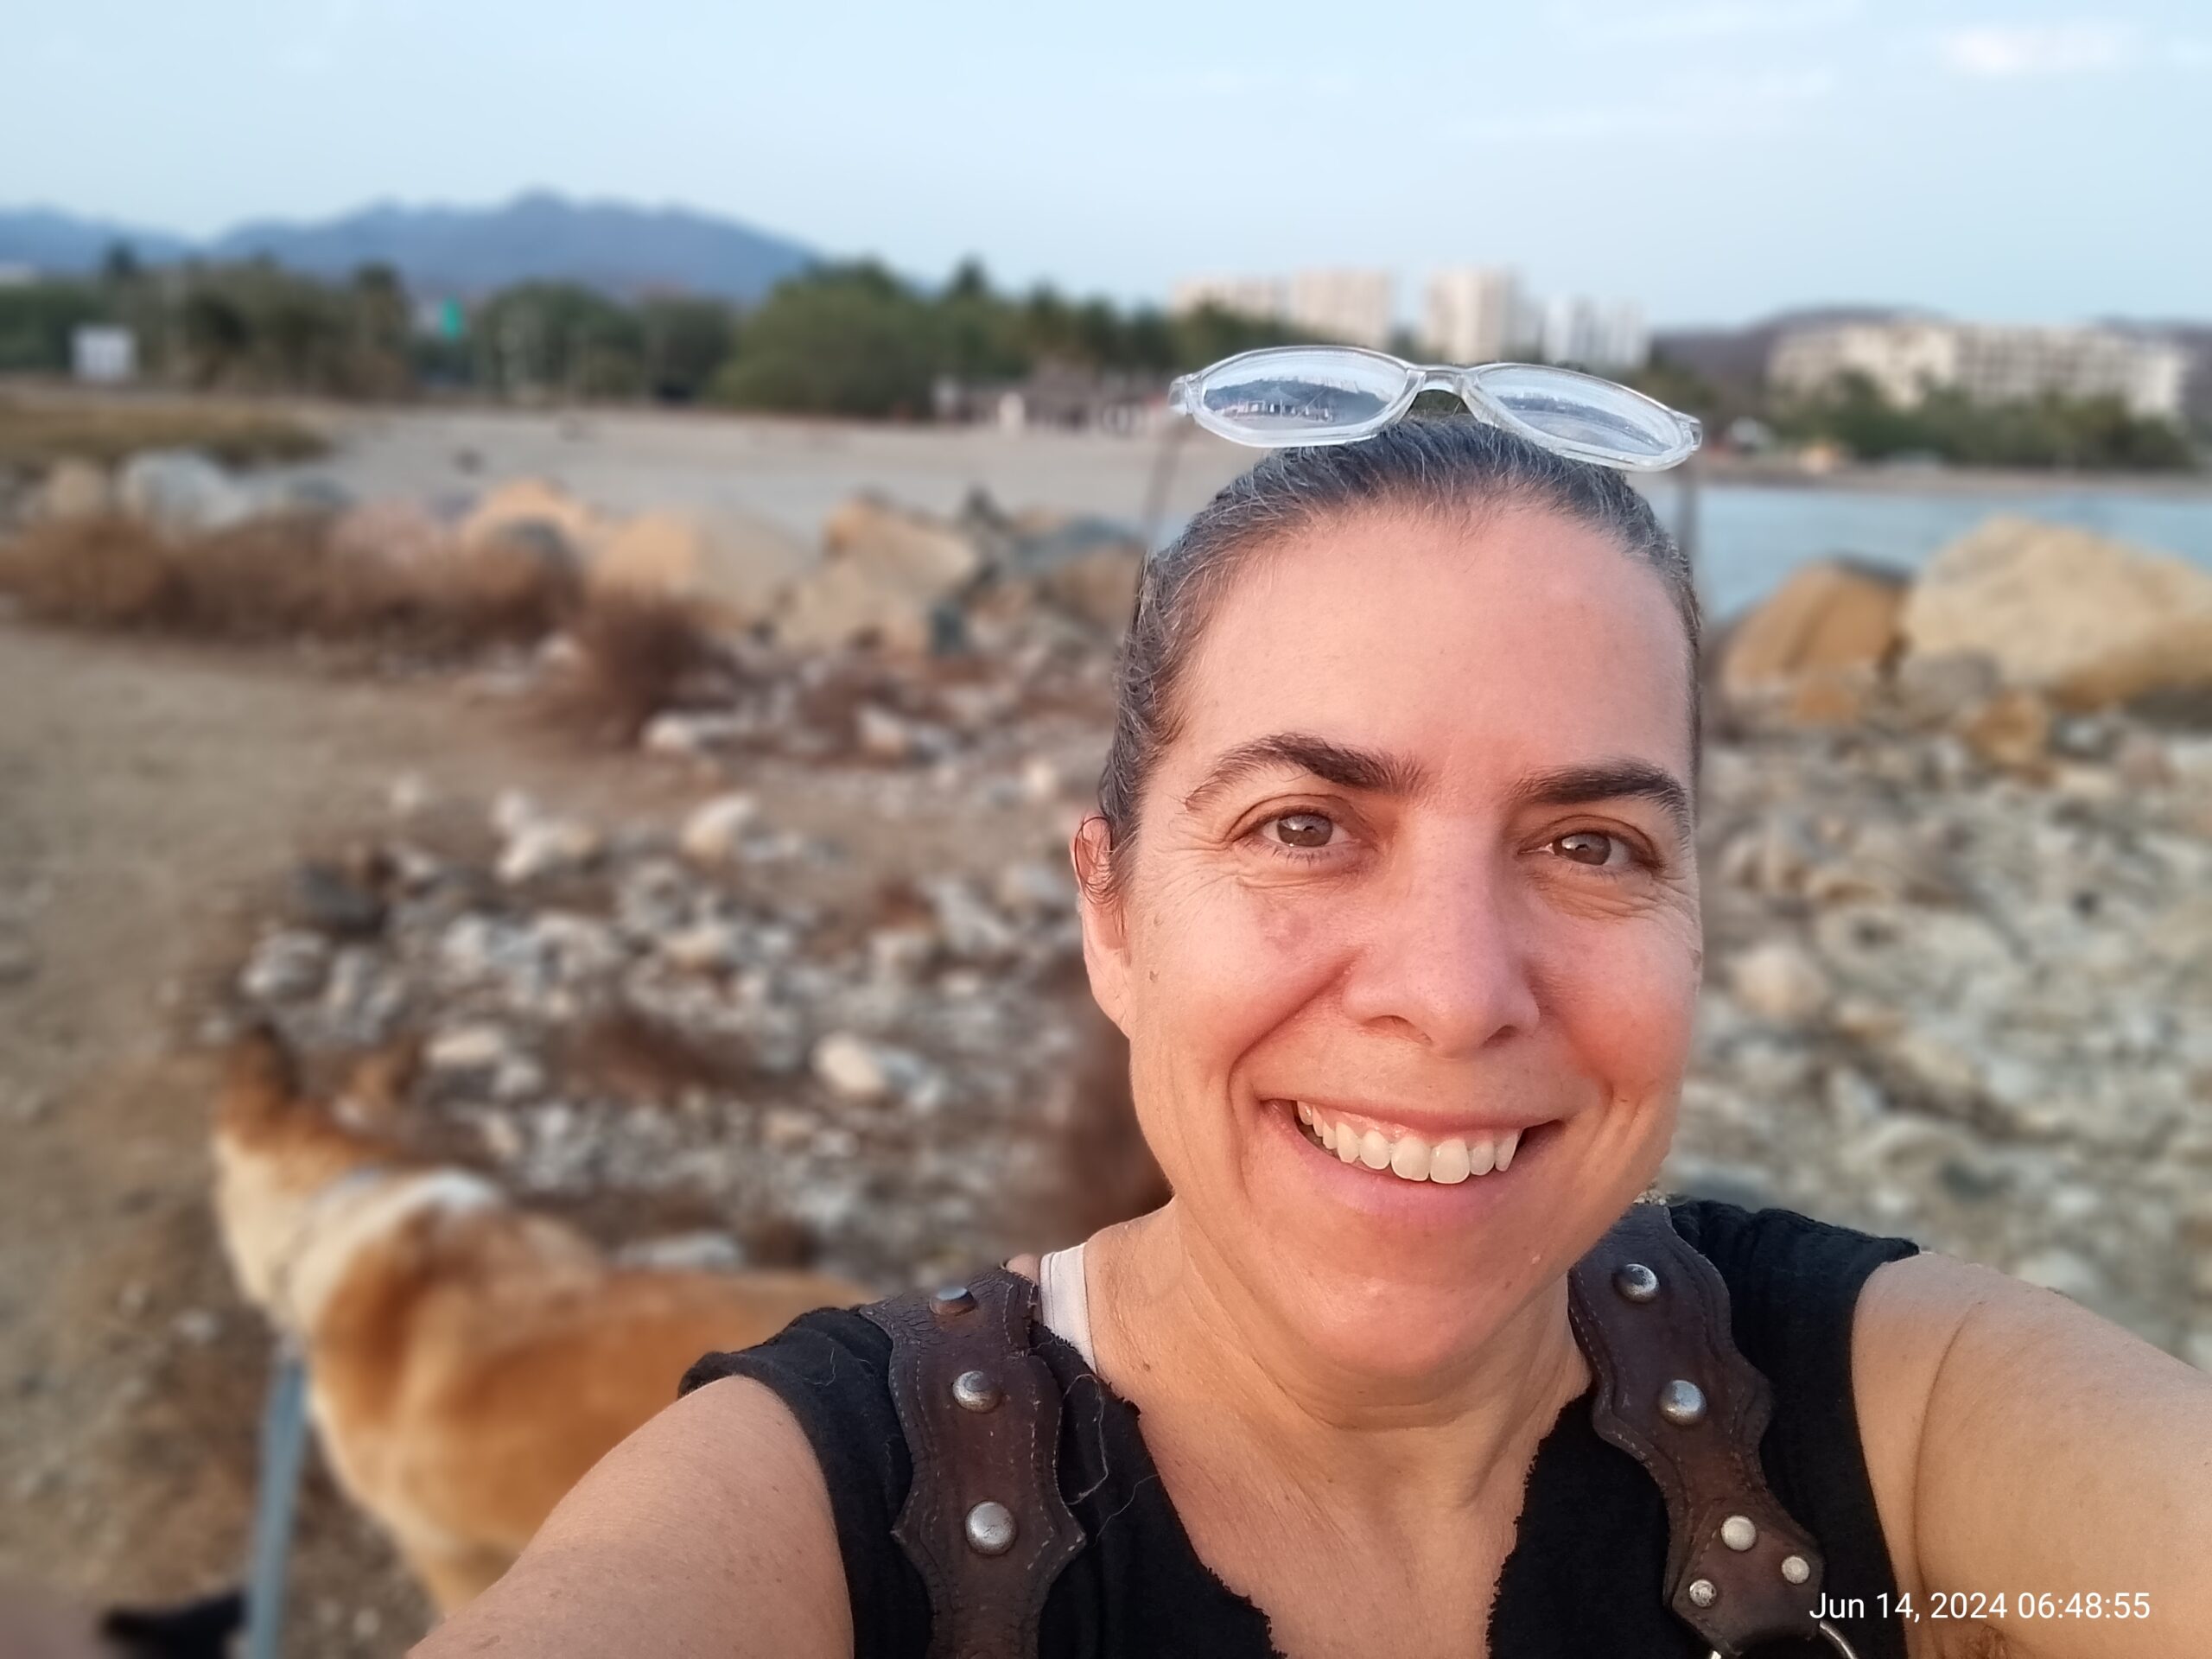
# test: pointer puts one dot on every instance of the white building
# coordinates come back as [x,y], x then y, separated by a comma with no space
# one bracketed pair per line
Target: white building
[1479,314]
[1358,306]
[1265,297]
[102,354]
[1906,360]
[1605,335]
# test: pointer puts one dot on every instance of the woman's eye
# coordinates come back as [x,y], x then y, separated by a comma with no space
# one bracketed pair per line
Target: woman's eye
[1306,830]
[1595,848]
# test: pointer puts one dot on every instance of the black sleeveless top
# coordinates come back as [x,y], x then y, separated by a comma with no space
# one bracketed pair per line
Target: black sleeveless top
[1584,1578]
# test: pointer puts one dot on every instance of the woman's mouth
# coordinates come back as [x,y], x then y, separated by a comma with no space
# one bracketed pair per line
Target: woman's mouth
[1408,1157]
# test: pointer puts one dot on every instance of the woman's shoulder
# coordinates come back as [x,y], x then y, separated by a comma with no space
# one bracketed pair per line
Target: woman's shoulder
[832,1370]
[1792,1280]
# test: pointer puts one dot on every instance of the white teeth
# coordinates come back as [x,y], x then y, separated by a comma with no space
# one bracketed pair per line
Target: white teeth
[1409,1159]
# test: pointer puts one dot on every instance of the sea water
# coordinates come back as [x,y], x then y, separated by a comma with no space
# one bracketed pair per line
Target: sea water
[1749,536]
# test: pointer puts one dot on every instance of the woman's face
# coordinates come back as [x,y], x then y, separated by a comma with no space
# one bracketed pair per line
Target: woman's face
[1417,867]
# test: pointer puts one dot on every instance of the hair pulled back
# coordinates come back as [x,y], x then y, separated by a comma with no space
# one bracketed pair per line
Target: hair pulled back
[1451,468]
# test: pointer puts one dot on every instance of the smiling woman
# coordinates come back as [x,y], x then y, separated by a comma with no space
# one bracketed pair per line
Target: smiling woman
[1392,889]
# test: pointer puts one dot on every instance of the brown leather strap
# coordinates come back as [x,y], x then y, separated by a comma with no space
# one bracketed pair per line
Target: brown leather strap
[983,1522]
[1651,1315]
[981,1412]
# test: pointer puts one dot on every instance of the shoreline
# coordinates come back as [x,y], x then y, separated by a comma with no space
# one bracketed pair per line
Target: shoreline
[1868,480]
[347,423]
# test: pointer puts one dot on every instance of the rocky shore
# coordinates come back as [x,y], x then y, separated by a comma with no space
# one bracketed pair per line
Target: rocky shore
[1959,925]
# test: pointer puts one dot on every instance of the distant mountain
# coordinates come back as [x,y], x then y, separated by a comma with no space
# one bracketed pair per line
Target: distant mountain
[47,240]
[462,251]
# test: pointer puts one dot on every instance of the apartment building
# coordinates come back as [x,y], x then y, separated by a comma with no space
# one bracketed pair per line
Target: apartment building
[1360,307]
[1357,306]
[1907,360]
[1478,313]
[1246,296]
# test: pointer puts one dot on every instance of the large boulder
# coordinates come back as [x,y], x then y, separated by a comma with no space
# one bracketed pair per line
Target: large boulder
[842,604]
[179,493]
[2086,620]
[302,495]
[75,488]
[537,516]
[897,546]
[888,576]
[1083,564]
[404,534]
[1099,585]
[1829,618]
[735,567]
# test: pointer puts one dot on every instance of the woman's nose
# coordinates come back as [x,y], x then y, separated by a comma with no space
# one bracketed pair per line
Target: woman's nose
[1446,956]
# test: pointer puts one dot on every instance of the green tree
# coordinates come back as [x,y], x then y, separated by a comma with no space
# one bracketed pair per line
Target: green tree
[37,321]
[845,340]
[686,343]
[557,339]
[2093,434]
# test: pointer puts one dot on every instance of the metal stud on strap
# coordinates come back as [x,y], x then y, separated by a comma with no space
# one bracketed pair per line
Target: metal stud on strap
[1672,1390]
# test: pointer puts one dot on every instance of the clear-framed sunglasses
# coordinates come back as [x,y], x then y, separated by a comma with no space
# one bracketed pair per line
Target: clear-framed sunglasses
[1285,396]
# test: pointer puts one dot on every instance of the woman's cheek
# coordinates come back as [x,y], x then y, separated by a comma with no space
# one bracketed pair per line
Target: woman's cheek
[1636,1021]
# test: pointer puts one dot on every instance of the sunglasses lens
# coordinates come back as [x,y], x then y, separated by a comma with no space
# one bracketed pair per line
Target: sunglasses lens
[1298,397]
[1587,416]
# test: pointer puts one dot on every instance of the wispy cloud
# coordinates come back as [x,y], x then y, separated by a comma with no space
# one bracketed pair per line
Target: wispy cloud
[1706,106]
[2036,51]
[1709,19]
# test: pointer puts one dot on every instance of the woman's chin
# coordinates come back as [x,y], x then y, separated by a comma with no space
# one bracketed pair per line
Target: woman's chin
[1400,1277]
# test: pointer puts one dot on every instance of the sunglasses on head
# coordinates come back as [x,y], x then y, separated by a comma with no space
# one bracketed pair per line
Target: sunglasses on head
[1286,396]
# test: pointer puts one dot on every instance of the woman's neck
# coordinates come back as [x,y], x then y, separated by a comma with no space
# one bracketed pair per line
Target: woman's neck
[1172,1322]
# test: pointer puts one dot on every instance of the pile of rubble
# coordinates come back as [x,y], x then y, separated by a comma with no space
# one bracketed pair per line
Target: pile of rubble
[644,1023]
[1951,1002]
[879,573]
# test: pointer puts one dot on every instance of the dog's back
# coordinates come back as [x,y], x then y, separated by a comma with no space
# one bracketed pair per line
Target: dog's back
[468,1360]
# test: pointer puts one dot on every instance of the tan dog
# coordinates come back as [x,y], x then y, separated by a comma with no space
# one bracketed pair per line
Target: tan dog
[467,1361]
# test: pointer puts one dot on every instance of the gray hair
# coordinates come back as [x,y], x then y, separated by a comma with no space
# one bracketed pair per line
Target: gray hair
[1454,467]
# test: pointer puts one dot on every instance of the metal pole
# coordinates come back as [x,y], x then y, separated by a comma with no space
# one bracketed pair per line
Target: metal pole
[1163,478]
[283,1448]
[1686,504]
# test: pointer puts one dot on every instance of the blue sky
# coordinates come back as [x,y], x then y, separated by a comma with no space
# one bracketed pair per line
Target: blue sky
[1714,159]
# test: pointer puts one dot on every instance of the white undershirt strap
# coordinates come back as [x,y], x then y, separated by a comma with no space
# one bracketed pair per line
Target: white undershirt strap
[1064,1299]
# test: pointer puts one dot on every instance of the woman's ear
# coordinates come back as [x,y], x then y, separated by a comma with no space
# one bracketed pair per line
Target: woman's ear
[1105,932]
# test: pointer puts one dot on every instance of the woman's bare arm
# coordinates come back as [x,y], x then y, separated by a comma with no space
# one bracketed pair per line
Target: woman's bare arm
[2019,1445]
[708,1531]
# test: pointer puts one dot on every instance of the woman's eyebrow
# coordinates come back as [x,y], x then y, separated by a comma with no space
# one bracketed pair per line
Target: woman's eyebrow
[1609,780]
[1378,773]
[1349,768]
